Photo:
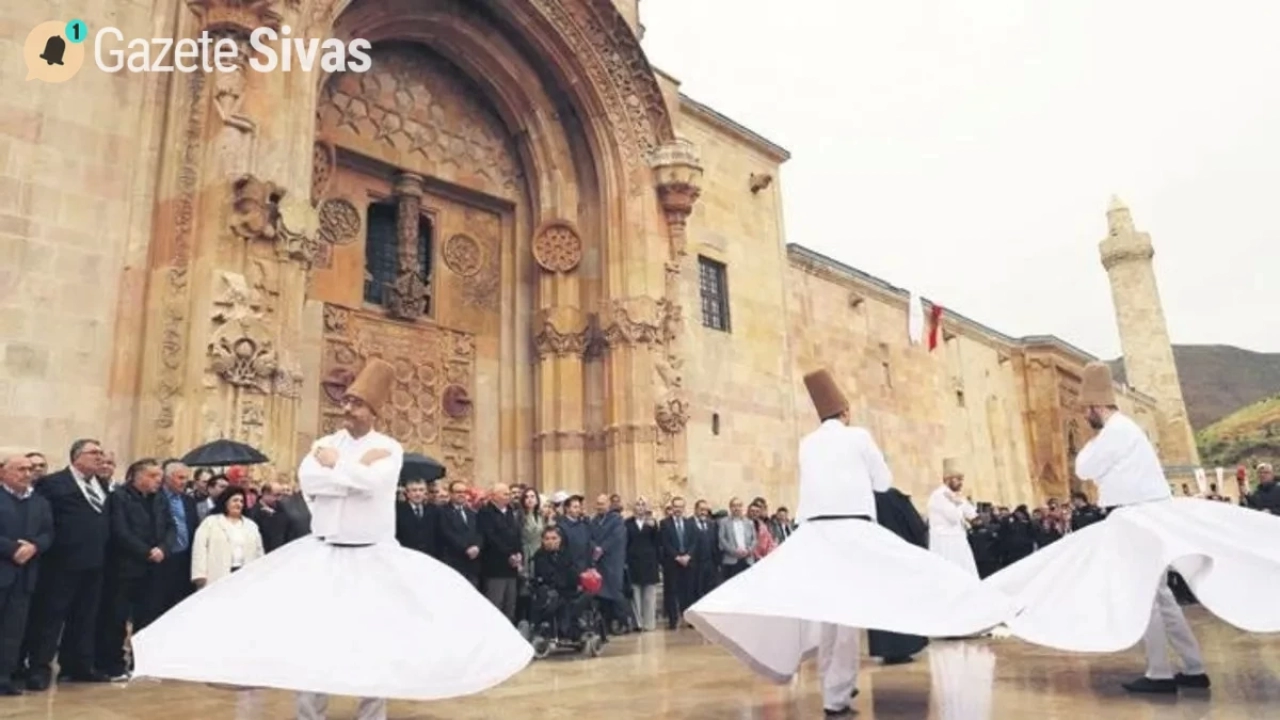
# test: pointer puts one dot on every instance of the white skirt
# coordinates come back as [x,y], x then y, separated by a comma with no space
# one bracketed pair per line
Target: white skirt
[853,573]
[955,548]
[378,621]
[1092,591]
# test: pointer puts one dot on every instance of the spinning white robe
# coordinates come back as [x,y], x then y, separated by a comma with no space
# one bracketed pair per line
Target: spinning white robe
[343,611]
[1092,591]
[841,572]
[947,534]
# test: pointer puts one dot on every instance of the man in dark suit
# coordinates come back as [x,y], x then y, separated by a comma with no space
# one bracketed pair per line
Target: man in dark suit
[460,539]
[706,552]
[501,550]
[142,531]
[297,516]
[272,524]
[679,570]
[66,600]
[418,520]
[26,532]
[175,571]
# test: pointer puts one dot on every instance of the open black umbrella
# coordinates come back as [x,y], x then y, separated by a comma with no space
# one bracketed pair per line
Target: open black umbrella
[421,467]
[221,453]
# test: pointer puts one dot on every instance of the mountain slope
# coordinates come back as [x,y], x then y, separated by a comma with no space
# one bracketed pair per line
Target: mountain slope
[1220,379]
[1249,435]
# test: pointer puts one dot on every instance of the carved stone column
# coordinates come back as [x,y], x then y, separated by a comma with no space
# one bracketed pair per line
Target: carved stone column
[233,241]
[560,340]
[408,297]
[677,173]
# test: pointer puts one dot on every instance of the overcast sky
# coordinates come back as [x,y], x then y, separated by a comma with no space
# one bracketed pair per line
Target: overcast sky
[967,151]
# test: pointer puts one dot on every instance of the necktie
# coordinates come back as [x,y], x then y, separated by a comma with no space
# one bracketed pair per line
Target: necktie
[94,494]
[462,512]
[680,533]
[417,510]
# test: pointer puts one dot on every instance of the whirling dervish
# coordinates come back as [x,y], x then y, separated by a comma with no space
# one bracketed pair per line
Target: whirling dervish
[1103,587]
[352,612]
[949,513]
[840,571]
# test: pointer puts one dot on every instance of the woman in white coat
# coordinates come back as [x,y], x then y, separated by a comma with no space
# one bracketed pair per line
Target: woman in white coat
[225,541]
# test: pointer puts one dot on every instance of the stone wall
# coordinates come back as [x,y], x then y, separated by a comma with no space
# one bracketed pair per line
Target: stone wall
[77,167]
[741,437]
[961,400]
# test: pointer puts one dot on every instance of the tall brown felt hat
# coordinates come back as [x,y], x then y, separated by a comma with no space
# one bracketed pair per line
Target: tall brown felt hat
[825,394]
[1096,385]
[373,384]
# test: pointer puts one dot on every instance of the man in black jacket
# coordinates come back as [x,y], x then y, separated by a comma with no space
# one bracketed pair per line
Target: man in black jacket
[501,550]
[142,533]
[418,520]
[1267,497]
[460,538]
[26,533]
[66,600]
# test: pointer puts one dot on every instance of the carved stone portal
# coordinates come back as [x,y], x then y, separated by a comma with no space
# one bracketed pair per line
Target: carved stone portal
[262,211]
[430,406]
[557,247]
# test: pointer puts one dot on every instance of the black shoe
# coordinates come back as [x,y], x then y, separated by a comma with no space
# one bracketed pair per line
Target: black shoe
[901,660]
[1147,685]
[1197,682]
[89,677]
[853,694]
[37,682]
[9,691]
[843,712]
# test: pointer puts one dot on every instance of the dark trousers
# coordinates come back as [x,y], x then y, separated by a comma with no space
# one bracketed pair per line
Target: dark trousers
[732,569]
[65,606]
[175,580]
[15,602]
[707,578]
[678,586]
[136,599]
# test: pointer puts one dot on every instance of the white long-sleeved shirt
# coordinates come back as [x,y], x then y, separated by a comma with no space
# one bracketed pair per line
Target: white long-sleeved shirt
[1123,463]
[947,517]
[840,469]
[352,503]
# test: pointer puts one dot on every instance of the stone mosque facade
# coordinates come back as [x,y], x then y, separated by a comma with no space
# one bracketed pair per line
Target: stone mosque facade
[580,274]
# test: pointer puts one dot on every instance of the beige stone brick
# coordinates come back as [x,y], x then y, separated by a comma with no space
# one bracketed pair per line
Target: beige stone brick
[20,226]
[26,360]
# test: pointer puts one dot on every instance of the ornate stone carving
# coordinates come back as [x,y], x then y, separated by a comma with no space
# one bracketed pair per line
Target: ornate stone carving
[324,163]
[560,332]
[169,380]
[457,404]
[340,222]
[557,247]
[242,15]
[428,362]
[229,87]
[408,296]
[336,318]
[1120,254]
[414,110]
[263,211]
[634,321]
[242,349]
[255,212]
[672,414]
[634,105]
[462,255]
[677,174]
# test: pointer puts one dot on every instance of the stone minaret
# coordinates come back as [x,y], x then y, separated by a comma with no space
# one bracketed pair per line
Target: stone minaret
[1144,335]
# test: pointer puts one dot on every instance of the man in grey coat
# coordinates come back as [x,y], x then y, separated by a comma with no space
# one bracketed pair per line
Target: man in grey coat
[737,540]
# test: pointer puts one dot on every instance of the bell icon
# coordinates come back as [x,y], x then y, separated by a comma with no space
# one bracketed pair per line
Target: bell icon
[53,50]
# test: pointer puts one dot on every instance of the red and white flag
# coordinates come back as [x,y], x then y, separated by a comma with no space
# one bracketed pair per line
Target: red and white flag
[935,325]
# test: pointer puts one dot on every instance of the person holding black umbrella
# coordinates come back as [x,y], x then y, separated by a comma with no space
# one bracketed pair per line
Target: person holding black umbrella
[362,608]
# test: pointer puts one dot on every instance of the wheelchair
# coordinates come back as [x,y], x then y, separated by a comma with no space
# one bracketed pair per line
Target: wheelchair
[565,624]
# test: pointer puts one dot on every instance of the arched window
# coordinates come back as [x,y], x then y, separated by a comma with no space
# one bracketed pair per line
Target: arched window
[382,250]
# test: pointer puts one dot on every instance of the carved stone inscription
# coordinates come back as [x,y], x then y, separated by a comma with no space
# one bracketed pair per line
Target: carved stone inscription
[416,111]
[430,410]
